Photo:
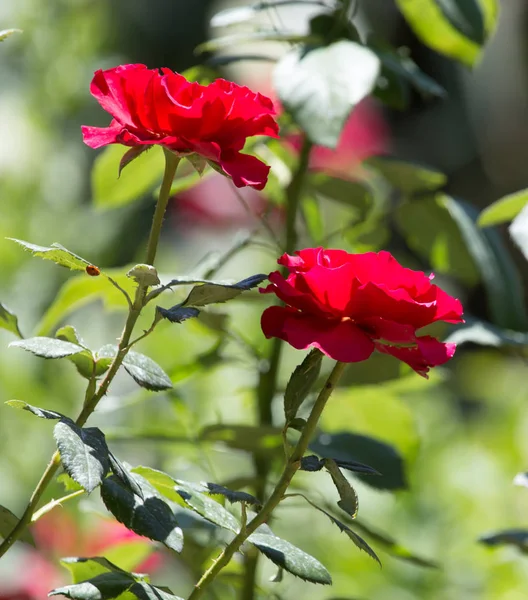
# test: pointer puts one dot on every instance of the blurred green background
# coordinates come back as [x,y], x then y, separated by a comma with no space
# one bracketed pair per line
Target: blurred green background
[462,434]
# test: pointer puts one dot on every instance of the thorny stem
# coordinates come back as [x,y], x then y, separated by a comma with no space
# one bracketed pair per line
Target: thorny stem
[292,466]
[93,397]
[268,377]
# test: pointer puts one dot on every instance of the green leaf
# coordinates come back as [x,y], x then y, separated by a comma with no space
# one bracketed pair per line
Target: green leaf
[212,293]
[38,412]
[101,587]
[124,475]
[348,497]
[301,382]
[5,33]
[317,88]
[111,190]
[207,507]
[9,321]
[84,453]
[312,463]
[145,372]
[86,568]
[47,347]
[149,516]
[130,554]
[290,558]
[352,194]
[508,537]
[408,178]
[466,16]
[69,484]
[503,210]
[264,440]
[56,253]
[8,521]
[159,480]
[230,495]
[499,275]
[353,447]
[519,231]
[178,313]
[436,30]
[84,361]
[80,291]
[145,591]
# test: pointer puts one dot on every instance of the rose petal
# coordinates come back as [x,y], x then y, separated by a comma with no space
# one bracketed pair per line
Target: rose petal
[96,137]
[340,340]
[244,169]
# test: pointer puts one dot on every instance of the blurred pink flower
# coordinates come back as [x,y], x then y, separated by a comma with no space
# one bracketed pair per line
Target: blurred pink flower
[58,535]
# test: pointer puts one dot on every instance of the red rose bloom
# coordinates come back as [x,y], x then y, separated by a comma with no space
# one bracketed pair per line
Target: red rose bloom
[152,107]
[348,305]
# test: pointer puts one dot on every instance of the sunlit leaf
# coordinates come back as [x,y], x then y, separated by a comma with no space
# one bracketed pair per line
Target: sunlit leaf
[86,568]
[5,33]
[503,210]
[111,189]
[56,253]
[47,347]
[290,558]
[84,453]
[35,410]
[315,86]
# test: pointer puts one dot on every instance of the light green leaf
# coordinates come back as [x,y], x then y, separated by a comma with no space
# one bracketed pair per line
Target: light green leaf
[56,253]
[47,347]
[130,554]
[84,361]
[503,210]
[436,30]
[407,177]
[111,190]
[290,558]
[81,290]
[9,321]
[35,410]
[162,482]
[86,568]
[5,33]
[320,87]
[206,507]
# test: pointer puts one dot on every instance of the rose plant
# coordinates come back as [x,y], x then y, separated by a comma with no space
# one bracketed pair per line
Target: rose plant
[341,304]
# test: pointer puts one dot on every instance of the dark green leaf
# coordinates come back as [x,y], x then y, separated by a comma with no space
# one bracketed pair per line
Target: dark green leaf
[352,194]
[8,521]
[347,494]
[231,495]
[178,313]
[211,293]
[84,453]
[145,591]
[9,321]
[111,189]
[259,440]
[57,253]
[353,447]
[301,382]
[130,155]
[316,88]
[511,537]
[39,412]
[207,507]
[47,347]
[290,558]
[102,587]
[141,368]
[149,516]
[407,177]
[356,467]
[126,478]
[311,463]
[466,16]
[499,274]
[5,33]
[503,210]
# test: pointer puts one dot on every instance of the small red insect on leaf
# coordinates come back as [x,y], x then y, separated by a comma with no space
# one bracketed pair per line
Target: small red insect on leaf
[93,271]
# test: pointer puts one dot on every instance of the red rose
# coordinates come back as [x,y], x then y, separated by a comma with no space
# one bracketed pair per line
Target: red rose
[348,305]
[214,121]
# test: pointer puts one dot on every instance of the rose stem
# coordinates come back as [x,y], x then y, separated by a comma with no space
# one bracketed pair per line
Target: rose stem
[93,397]
[268,377]
[292,466]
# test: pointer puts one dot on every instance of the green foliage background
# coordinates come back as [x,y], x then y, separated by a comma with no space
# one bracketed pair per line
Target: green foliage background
[461,434]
